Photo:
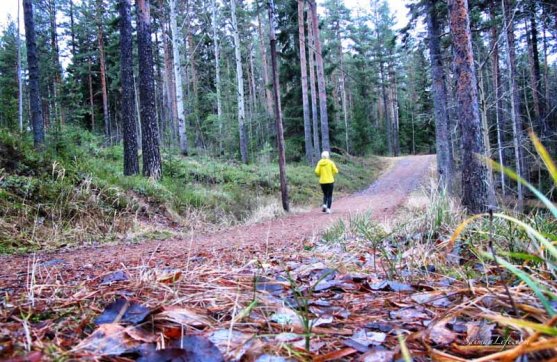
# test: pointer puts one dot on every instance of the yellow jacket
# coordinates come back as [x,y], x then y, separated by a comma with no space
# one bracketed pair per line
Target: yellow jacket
[326,170]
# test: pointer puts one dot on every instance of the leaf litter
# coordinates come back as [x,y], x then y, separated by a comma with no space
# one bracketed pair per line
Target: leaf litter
[321,304]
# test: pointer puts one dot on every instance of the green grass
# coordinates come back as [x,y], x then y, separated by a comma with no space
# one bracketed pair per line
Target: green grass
[74,193]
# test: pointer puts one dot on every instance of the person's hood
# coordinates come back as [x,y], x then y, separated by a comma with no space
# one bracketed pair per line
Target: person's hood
[323,162]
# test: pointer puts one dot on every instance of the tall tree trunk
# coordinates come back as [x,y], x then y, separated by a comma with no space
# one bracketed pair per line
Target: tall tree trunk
[131,163]
[277,108]
[176,42]
[386,112]
[320,78]
[91,95]
[170,83]
[314,115]
[57,80]
[496,78]
[267,85]
[102,65]
[342,84]
[516,120]
[240,84]
[19,79]
[214,18]
[152,165]
[476,186]
[439,90]
[72,28]
[34,74]
[303,67]
[535,74]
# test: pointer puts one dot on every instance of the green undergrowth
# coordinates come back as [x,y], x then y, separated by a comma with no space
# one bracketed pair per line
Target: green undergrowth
[74,193]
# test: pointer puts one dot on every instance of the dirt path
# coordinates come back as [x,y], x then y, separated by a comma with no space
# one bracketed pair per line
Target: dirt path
[239,244]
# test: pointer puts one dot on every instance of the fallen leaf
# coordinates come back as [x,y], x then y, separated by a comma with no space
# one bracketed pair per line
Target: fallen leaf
[381,327]
[286,317]
[391,285]
[200,349]
[169,276]
[124,311]
[35,356]
[479,332]
[232,344]
[113,340]
[270,358]
[117,276]
[441,335]
[367,338]
[183,316]
[334,355]
[408,314]
[435,299]
[377,356]
[271,286]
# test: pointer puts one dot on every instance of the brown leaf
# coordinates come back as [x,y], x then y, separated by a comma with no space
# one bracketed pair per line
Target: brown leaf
[334,355]
[183,316]
[112,339]
[377,356]
[440,335]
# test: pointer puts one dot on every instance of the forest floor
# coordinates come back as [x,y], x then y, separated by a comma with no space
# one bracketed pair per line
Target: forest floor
[306,286]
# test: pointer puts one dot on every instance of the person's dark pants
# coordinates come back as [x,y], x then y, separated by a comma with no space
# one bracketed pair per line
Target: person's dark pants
[327,194]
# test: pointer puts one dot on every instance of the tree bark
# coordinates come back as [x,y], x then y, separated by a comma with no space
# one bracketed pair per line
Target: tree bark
[217,72]
[57,80]
[176,42]
[240,84]
[19,78]
[277,108]
[314,114]
[320,79]
[34,74]
[303,67]
[263,49]
[496,79]
[102,65]
[476,186]
[152,165]
[516,119]
[131,163]
[91,95]
[439,89]
[170,82]
[535,74]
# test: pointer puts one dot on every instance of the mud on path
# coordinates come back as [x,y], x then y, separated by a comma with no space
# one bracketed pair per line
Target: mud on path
[237,245]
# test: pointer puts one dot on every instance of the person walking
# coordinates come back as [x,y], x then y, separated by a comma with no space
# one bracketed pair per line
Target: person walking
[326,170]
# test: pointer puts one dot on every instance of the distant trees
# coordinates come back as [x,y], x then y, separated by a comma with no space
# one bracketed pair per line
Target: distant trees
[350,82]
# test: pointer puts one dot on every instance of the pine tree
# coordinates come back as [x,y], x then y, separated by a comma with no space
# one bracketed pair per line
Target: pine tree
[152,165]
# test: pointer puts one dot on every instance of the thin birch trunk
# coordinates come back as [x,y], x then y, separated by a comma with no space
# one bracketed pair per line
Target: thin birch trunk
[217,72]
[19,79]
[240,84]
[102,65]
[266,80]
[320,78]
[303,68]
[176,42]
[516,120]
[314,114]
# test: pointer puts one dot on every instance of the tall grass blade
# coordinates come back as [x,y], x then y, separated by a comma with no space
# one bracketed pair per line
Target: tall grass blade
[510,173]
[520,323]
[542,151]
[526,279]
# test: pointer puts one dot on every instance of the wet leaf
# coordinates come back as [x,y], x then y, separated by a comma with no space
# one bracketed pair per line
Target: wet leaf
[408,314]
[30,357]
[440,335]
[124,311]
[479,332]
[200,349]
[367,338]
[377,356]
[169,277]
[117,276]
[286,316]
[382,327]
[435,299]
[271,286]
[183,316]
[391,285]
[270,358]
[335,355]
[232,344]
[113,340]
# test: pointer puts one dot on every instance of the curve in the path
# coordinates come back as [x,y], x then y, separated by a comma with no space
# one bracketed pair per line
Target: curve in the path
[240,243]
